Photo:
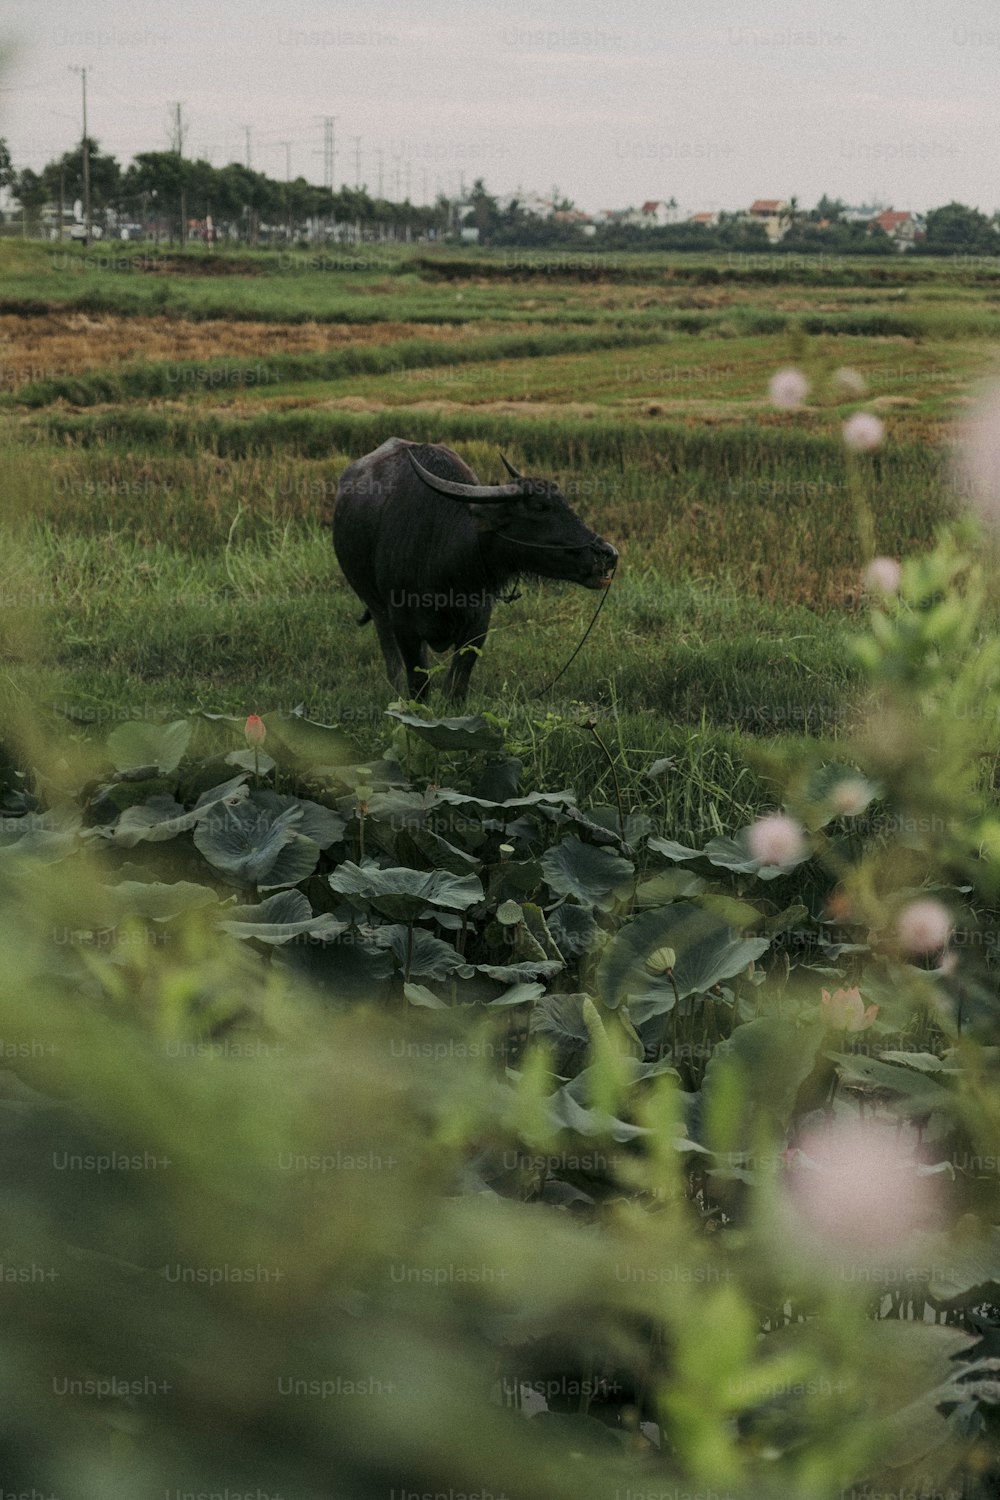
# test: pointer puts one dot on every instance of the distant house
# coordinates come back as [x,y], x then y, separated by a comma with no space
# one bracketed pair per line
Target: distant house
[655,214]
[576,218]
[902,227]
[773,213]
[710,219]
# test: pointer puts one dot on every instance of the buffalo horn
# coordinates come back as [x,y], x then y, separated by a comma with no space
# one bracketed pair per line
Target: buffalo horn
[482,493]
[514,473]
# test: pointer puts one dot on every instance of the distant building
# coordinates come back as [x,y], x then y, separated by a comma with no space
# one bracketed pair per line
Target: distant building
[864,214]
[710,218]
[773,213]
[609,216]
[576,218]
[902,227]
[656,214]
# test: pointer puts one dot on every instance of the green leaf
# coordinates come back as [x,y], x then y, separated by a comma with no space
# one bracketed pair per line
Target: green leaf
[678,853]
[321,824]
[738,914]
[666,886]
[574,930]
[637,824]
[707,951]
[772,1059]
[874,1074]
[247,841]
[279,919]
[155,820]
[256,761]
[418,994]
[518,994]
[429,957]
[543,968]
[416,846]
[565,1111]
[158,900]
[473,732]
[137,744]
[594,877]
[402,894]
[558,1020]
[48,837]
[313,743]
[342,970]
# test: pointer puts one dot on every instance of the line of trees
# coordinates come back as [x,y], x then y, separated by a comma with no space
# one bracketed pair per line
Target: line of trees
[170,192]
[166,193]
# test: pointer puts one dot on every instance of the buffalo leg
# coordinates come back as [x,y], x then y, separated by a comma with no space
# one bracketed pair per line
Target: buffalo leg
[414,656]
[390,648]
[462,663]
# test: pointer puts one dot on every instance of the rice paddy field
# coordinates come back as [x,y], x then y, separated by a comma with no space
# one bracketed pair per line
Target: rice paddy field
[492,1069]
[174,426]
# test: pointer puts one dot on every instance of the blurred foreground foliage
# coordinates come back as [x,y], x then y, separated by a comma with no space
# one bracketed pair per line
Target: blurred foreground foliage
[310,1193]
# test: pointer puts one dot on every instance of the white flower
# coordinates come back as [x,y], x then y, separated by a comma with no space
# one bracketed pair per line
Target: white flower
[849,383]
[850,797]
[883,575]
[924,926]
[776,840]
[854,1188]
[863,431]
[979,457]
[788,388]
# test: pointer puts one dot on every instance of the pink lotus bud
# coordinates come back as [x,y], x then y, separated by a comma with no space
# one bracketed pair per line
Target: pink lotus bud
[863,432]
[844,1010]
[776,840]
[255,729]
[788,388]
[883,575]
[924,926]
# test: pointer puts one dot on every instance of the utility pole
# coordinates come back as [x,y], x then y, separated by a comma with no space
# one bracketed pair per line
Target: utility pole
[357,160]
[246,131]
[74,68]
[179,148]
[330,171]
[380,154]
[288,197]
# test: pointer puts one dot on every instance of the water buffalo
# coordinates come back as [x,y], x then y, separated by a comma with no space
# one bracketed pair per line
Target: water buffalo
[429,550]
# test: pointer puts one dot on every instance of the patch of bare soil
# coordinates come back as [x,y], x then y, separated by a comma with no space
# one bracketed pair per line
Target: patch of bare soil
[50,345]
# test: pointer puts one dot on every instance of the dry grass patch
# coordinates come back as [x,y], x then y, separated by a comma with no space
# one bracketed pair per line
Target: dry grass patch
[51,345]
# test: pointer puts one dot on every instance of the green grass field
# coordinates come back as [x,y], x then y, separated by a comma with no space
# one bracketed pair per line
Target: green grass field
[167,545]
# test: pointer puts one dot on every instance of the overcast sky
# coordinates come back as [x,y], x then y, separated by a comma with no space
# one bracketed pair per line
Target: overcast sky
[714,104]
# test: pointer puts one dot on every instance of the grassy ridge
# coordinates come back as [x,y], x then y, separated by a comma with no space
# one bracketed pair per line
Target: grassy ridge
[139,382]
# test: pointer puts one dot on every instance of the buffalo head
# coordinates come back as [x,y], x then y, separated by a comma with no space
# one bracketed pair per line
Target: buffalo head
[531,526]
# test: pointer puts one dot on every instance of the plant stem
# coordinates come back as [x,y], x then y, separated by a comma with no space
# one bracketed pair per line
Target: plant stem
[614,776]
